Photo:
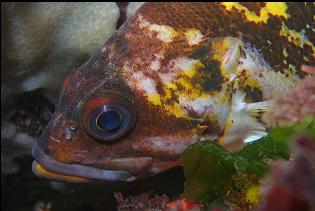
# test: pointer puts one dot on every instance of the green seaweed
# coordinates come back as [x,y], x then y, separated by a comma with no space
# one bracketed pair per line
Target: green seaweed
[215,174]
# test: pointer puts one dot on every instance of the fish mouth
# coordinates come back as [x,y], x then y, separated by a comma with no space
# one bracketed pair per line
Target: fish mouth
[46,167]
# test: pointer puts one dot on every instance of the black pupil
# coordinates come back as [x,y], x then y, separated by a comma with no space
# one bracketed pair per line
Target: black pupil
[109,120]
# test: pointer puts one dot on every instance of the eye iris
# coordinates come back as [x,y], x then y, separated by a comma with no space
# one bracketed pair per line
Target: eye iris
[109,120]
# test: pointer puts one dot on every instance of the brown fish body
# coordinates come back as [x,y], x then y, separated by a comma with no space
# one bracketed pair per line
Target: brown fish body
[173,74]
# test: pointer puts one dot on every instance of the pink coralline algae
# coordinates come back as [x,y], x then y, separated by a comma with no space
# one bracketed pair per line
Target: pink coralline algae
[294,106]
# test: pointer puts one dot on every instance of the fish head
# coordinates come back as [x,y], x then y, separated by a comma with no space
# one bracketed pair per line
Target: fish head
[104,129]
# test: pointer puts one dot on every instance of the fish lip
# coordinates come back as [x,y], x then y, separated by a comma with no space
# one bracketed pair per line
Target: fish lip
[77,170]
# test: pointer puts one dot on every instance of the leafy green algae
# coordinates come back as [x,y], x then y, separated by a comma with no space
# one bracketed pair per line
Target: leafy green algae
[214,174]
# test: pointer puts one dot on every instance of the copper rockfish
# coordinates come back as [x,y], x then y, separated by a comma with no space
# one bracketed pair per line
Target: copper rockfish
[174,74]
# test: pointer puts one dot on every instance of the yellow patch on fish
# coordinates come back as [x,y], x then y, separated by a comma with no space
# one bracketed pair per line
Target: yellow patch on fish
[298,38]
[193,70]
[291,70]
[248,80]
[271,8]
[227,52]
[194,36]
[285,53]
[182,86]
[154,98]
[165,33]
[176,109]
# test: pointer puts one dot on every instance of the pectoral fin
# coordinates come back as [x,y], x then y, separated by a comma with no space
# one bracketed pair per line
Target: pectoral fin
[243,123]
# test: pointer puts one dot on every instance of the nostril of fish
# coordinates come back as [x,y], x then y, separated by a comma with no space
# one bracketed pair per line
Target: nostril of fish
[68,133]
[72,127]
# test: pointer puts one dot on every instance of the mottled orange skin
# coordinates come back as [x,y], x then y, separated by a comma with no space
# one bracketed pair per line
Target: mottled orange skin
[102,77]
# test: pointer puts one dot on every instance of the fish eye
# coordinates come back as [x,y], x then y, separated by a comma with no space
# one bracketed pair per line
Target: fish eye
[110,121]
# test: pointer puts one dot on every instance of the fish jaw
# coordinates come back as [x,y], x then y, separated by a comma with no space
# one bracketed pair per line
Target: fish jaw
[45,166]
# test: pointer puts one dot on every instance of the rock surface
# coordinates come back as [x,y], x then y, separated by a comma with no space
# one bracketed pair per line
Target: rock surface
[42,42]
